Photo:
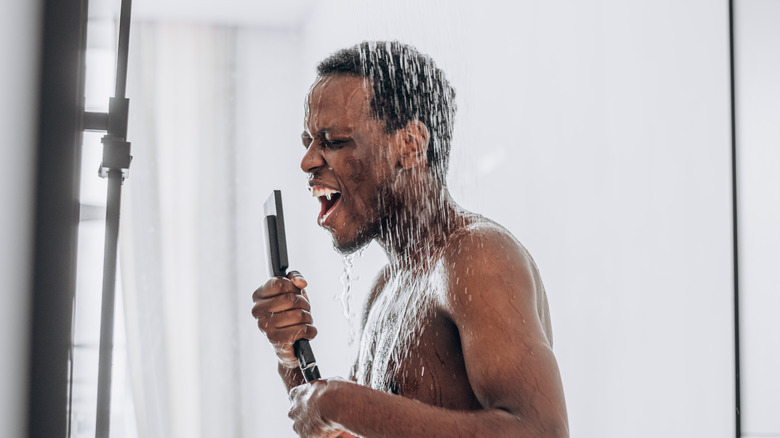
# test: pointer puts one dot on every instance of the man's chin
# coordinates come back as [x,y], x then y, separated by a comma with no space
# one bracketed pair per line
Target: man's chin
[349,246]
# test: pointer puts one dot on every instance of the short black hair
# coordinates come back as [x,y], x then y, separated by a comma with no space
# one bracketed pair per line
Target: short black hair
[407,86]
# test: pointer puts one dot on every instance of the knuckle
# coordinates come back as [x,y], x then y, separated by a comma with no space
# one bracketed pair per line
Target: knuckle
[259,313]
[292,297]
[276,286]
[287,285]
[258,293]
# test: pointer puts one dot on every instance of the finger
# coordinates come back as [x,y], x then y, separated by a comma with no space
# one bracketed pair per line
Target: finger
[295,390]
[265,307]
[288,318]
[292,318]
[284,338]
[294,410]
[297,279]
[275,286]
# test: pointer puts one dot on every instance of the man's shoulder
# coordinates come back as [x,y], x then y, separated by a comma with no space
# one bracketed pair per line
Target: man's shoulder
[483,239]
[485,257]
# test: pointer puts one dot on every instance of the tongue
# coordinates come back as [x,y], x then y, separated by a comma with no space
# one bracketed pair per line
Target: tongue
[326,204]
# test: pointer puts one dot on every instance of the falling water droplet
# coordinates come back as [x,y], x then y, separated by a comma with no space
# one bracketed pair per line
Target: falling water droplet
[347,277]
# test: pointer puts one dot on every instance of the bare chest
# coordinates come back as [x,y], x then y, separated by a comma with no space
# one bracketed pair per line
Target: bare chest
[410,348]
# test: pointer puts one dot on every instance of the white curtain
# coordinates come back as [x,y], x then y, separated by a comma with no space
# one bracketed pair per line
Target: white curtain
[215,125]
[179,232]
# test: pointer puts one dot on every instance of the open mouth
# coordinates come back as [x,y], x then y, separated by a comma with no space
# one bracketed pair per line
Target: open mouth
[329,200]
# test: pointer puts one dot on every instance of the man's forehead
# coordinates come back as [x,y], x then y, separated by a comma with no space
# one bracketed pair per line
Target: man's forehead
[339,94]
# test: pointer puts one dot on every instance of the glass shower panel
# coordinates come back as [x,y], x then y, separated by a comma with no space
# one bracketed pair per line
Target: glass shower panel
[757,39]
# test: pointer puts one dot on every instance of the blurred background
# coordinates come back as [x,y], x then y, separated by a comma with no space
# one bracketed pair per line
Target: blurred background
[599,133]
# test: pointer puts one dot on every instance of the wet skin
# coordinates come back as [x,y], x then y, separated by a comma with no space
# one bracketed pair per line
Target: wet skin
[480,360]
[347,151]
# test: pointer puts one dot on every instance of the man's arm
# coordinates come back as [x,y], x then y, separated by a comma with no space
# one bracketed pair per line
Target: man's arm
[508,356]
[510,365]
[291,377]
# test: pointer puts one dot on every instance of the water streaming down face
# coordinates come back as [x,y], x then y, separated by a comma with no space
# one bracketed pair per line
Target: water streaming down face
[411,96]
[407,86]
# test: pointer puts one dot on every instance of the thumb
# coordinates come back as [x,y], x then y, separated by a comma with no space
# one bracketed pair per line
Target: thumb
[297,279]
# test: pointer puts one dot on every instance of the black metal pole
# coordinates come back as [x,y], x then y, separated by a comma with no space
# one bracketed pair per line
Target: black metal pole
[735,227]
[56,214]
[107,312]
[123,49]
[116,159]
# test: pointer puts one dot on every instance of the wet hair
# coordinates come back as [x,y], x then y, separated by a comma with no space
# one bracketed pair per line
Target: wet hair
[407,86]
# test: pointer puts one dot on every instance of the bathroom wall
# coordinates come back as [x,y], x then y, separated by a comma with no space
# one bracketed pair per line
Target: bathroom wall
[599,134]
[19,39]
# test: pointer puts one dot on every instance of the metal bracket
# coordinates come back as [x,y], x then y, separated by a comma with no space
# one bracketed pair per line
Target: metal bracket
[116,151]
[116,156]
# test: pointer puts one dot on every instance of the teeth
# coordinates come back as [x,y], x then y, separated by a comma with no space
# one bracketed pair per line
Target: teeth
[318,191]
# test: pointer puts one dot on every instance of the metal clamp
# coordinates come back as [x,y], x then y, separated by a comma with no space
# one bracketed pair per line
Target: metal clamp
[116,156]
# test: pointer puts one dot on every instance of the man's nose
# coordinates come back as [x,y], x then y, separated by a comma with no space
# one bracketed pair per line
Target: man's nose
[313,158]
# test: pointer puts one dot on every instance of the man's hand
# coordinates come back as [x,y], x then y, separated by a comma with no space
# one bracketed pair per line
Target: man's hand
[282,312]
[306,410]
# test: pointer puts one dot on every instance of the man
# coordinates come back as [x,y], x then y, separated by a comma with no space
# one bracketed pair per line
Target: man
[456,332]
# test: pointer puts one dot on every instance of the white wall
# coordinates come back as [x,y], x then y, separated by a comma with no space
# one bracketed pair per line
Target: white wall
[19,38]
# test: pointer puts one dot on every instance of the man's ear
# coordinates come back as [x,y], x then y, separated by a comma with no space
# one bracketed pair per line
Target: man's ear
[414,145]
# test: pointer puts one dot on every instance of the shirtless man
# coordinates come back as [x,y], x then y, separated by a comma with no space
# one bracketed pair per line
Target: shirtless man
[456,331]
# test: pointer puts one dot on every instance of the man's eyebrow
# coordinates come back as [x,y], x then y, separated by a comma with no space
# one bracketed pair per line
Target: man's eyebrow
[321,133]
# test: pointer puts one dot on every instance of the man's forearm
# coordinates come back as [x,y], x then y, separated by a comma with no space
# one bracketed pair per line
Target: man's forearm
[291,377]
[371,413]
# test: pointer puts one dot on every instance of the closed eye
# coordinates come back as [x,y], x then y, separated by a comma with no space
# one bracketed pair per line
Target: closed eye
[334,144]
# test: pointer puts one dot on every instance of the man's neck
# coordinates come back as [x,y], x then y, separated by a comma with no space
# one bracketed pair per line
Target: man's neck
[415,233]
